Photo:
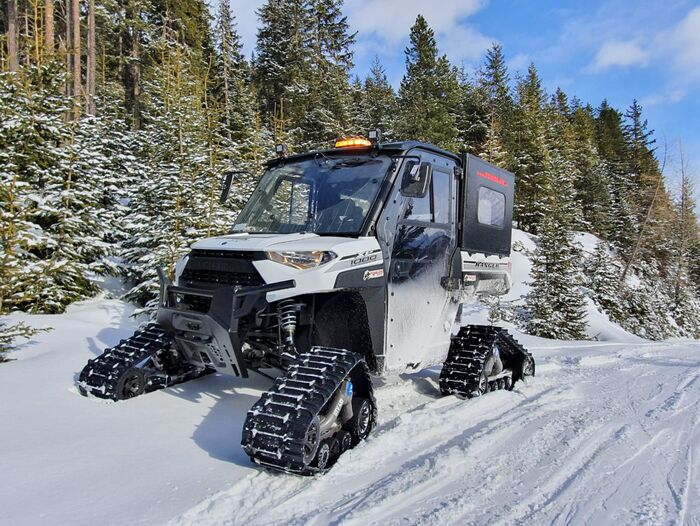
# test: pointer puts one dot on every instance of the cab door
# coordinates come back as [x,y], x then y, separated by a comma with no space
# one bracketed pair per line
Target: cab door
[420,312]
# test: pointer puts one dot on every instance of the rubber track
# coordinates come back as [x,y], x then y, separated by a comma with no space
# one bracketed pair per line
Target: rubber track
[101,375]
[469,350]
[275,427]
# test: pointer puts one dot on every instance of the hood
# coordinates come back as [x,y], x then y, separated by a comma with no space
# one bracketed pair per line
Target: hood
[263,242]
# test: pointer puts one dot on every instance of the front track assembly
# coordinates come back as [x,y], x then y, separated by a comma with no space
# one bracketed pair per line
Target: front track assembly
[297,425]
[142,363]
[469,369]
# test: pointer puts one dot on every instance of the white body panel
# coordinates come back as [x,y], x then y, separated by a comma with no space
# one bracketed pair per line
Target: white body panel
[313,280]
[486,274]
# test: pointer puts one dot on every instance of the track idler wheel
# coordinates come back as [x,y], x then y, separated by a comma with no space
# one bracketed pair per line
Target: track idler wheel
[312,441]
[131,384]
[344,439]
[362,421]
[324,455]
[528,367]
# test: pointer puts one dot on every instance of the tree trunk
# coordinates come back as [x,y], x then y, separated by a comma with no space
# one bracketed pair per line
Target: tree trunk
[135,71]
[68,46]
[91,60]
[49,30]
[12,35]
[77,85]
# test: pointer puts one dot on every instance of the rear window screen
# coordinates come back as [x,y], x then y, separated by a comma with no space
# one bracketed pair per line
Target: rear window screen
[492,207]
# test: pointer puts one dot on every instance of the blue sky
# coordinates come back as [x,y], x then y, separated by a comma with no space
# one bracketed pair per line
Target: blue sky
[619,50]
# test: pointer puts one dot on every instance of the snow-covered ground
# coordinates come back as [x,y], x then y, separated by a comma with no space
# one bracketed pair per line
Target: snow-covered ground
[606,433]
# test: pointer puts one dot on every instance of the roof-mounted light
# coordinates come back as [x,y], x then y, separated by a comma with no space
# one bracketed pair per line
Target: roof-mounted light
[353,142]
[375,136]
[281,150]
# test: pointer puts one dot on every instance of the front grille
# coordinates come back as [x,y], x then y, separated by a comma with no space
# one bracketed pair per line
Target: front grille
[221,278]
[211,269]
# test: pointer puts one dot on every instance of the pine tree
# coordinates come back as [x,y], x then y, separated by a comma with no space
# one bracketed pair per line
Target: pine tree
[376,106]
[494,80]
[685,305]
[494,85]
[593,184]
[281,64]
[640,142]
[246,139]
[555,302]
[174,204]
[530,153]
[429,93]
[613,150]
[646,305]
[604,281]
[323,109]
[472,118]
[52,240]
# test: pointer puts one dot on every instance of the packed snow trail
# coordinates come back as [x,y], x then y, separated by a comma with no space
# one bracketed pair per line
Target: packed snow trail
[606,433]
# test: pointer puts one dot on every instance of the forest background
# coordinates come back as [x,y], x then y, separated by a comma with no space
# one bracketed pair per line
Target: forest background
[119,118]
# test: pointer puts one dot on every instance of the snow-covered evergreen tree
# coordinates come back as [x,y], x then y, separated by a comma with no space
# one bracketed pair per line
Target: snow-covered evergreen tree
[646,304]
[175,203]
[530,154]
[555,302]
[429,93]
[376,105]
[604,278]
[52,196]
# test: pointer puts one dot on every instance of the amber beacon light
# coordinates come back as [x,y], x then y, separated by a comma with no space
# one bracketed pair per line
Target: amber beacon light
[353,142]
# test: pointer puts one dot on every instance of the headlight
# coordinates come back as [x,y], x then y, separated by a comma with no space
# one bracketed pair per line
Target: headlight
[302,260]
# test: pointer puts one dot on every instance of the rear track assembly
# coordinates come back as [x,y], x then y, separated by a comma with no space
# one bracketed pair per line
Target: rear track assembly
[472,351]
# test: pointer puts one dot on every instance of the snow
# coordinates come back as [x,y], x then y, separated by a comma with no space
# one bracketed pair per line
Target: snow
[606,433]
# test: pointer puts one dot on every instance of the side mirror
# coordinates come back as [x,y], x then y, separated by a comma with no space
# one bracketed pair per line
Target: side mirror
[416,180]
[226,188]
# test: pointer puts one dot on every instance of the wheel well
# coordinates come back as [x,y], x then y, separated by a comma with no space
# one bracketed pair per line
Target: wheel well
[340,320]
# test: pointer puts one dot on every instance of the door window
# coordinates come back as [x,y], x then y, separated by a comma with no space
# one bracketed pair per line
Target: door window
[435,206]
[441,196]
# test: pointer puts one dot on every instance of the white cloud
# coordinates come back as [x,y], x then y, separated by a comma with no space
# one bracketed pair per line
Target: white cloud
[519,62]
[616,53]
[682,45]
[388,22]
[666,96]
[392,19]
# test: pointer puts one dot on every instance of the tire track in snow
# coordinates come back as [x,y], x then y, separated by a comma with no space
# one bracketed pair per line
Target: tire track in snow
[587,442]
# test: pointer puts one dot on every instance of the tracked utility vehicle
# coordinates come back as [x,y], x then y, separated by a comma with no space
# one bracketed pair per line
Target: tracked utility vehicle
[344,264]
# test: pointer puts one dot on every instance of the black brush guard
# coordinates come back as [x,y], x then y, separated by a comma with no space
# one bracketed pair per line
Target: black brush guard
[213,338]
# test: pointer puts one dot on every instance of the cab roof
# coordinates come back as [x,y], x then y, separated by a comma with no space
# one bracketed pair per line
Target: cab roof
[388,148]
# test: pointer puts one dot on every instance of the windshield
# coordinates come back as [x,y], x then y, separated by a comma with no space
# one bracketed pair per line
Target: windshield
[323,195]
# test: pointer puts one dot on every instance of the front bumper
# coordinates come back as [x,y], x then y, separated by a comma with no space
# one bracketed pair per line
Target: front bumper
[213,338]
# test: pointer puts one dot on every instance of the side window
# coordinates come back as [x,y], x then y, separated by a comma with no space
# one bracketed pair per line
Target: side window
[418,209]
[492,207]
[441,196]
[435,206]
